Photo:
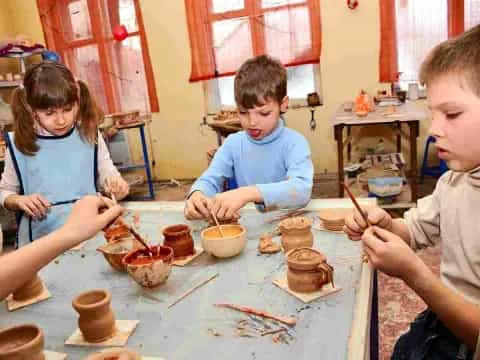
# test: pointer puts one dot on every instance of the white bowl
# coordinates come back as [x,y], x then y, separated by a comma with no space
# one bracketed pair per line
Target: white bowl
[223,247]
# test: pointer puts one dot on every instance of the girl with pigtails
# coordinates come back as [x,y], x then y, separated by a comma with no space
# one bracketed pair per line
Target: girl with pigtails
[55,154]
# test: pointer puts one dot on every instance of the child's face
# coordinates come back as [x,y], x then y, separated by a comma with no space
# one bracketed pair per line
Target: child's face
[456,122]
[57,121]
[262,120]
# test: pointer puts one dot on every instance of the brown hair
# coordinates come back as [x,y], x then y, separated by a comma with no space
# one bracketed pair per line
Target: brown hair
[258,80]
[459,56]
[51,85]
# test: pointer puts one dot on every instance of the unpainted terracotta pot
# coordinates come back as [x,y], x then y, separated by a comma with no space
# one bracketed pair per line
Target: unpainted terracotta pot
[296,232]
[96,319]
[30,289]
[149,271]
[113,354]
[178,237]
[22,342]
[307,270]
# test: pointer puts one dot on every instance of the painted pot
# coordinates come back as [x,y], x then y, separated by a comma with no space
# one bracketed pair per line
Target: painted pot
[307,270]
[231,244]
[22,342]
[30,289]
[296,232]
[149,271]
[96,319]
[109,354]
[178,237]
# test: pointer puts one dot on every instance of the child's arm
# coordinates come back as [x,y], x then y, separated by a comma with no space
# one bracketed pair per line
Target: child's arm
[34,205]
[388,253]
[83,223]
[109,176]
[210,183]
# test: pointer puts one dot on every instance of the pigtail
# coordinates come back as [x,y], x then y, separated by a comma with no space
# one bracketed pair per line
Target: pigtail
[90,114]
[23,123]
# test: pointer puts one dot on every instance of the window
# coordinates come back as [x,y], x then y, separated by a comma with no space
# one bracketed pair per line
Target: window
[119,73]
[225,33]
[419,26]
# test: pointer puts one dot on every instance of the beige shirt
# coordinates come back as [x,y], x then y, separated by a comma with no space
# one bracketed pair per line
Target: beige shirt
[451,216]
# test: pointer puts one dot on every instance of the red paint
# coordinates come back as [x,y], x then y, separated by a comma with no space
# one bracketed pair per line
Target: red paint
[142,256]
[120,32]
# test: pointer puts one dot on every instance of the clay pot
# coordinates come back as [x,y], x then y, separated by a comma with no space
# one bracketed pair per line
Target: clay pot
[96,320]
[30,289]
[334,219]
[307,270]
[149,271]
[112,354]
[22,342]
[179,239]
[115,251]
[231,244]
[296,232]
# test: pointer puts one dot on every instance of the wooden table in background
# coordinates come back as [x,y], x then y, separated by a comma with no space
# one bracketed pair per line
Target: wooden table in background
[407,114]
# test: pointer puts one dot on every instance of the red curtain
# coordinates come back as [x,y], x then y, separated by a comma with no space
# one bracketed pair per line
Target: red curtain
[223,35]
[388,42]
[456,17]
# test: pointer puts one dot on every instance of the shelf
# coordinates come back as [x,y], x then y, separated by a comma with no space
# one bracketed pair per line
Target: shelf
[9,84]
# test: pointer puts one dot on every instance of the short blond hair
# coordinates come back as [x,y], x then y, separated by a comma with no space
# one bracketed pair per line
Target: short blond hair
[458,56]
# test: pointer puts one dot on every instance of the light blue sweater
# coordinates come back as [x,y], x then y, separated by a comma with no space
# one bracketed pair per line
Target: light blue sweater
[279,165]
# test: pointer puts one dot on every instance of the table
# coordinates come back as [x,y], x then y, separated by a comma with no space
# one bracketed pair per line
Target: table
[407,114]
[335,327]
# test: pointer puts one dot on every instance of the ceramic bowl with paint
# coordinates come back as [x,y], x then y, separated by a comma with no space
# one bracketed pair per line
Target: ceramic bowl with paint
[115,251]
[223,247]
[114,354]
[96,319]
[29,290]
[22,342]
[149,270]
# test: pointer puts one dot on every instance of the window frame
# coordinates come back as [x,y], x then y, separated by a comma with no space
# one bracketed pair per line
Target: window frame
[50,19]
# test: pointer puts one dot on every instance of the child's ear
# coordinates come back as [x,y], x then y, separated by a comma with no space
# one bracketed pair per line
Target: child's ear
[284,104]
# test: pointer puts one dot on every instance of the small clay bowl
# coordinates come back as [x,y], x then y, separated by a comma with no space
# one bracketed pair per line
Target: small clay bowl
[115,251]
[149,271]
[110,354]
[22,342]
[223,247]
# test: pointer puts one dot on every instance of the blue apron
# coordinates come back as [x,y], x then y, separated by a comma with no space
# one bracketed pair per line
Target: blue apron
[63,170]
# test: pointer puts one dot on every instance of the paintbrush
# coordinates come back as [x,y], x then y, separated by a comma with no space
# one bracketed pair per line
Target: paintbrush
[218,225]
[357,206]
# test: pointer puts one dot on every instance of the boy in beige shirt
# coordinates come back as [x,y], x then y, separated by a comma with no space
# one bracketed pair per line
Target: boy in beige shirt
[449,328]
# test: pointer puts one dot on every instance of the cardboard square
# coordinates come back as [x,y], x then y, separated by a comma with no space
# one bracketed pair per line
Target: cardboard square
[14,304]
[188,259]
[306,297]
[125,328]
[143,357]
[52,355]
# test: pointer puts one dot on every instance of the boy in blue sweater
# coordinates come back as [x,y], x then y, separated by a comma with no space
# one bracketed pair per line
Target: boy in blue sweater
[270,163]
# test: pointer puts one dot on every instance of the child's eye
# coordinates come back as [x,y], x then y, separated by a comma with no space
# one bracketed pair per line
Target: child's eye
[452,116]
[243,112]
[67,109]
[265,114]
